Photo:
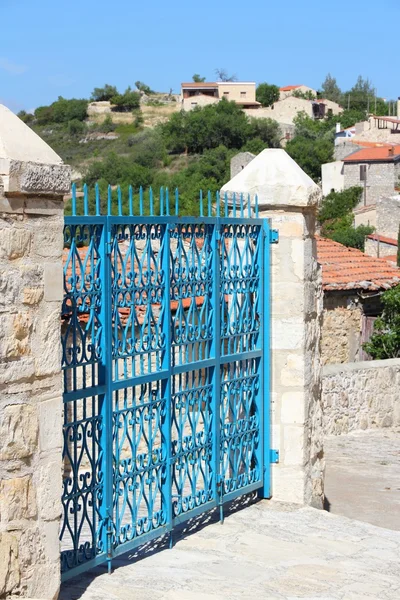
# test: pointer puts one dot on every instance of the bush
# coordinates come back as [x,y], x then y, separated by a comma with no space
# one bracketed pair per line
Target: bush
[76,127]
[104,93]
[342,231]
[339,204]
[62,111]
[385,341]
[107,125]
[126,102]
[25,117]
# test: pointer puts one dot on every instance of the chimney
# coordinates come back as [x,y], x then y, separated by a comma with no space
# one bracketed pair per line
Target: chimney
[338,126]
[398,108]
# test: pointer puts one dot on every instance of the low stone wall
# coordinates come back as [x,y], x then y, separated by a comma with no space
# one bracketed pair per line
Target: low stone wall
[363,395]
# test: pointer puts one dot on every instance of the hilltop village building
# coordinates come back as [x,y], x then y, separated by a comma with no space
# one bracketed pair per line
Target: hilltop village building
[204,93]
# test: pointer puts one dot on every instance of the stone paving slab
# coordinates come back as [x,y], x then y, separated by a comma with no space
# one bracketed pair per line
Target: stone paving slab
[362,477]
[268,550]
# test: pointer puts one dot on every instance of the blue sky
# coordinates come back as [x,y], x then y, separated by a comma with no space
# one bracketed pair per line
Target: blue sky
[50,48]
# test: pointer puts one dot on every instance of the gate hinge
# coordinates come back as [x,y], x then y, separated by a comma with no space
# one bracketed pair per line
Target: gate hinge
[273,236]
[274,456]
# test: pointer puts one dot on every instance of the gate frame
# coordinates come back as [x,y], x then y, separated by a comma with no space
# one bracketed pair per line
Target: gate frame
[263,487]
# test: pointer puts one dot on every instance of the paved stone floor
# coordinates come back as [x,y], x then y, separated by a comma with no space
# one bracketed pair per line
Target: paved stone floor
[362,479]
[268,551]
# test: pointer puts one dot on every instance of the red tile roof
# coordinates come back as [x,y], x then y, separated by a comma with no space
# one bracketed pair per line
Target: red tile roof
[288,88]
[350,269]
[378,153]
[383,239]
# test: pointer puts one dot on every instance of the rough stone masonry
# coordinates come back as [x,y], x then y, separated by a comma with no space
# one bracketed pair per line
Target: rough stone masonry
[32,183]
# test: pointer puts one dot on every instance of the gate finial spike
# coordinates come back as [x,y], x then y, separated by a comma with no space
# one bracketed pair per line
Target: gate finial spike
[226,204]
[209,203]
[109,201]
[141,201]
[234,203]
[151,203]
[176,202]
[218,204]
[97,196]
[162,200]
[85,200]
[130,193]
[73,199]
[119,201]
[201,203]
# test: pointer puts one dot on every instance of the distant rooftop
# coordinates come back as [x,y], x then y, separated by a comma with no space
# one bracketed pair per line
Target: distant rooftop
[350,269]
[289,88]
[381,153]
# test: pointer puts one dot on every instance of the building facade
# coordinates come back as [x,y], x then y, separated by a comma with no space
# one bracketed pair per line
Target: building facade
[242,93]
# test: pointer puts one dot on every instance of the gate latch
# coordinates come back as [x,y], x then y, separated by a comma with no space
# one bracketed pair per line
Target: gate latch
[273,236]
[274,456]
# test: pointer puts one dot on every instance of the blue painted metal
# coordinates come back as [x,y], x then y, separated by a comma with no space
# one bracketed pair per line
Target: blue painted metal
[273,236]
[274,456]
[166,367]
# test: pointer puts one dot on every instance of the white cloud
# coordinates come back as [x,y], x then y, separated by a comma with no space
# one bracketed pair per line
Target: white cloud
[11,67]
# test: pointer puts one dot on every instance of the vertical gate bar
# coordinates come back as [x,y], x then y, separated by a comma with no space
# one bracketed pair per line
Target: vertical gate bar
[166,383]
[107,339]
[265,491]
[216,354]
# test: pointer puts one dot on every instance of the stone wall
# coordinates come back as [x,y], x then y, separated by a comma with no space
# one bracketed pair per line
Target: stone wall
[364,395]
[31,242]
[388,216]
[380,180]
[341,328]
[332,177]
[379,249]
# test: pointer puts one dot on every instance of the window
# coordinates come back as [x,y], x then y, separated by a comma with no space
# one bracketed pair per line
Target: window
[363,172]
[243,94]
[194,103]
[226,93]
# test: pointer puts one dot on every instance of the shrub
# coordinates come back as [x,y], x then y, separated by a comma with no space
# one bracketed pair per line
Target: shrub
[385,341]
[76,127]
[127,101]
[267,94]
[107,125]
[104,93]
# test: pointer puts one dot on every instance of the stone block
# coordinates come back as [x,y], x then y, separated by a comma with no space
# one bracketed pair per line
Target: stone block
[17,370]
[47,338]
[9,564]
[17,499]
[287,333]
[293,445]
[48,240]
[50,419]
[288,484]
[49,484]
[53,282]
[14,242]
[18,431]
[9,289]
[293,408]
[32,296]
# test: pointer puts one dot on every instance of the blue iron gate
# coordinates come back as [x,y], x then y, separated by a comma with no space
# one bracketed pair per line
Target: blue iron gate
[165,333]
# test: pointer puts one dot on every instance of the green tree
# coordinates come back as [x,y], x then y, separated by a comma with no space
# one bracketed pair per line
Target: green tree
[330,89]
[198,79]
[362,97]
[127,101]
[267,130]
[310,154]
[308,95]
[339,204]
[142,87]
[385,341]
[62,111]
[25,116]
[267,94]
[104,93]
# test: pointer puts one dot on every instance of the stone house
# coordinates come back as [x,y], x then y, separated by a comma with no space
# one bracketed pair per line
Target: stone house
[381,247]
[376,169]
[287,90]
[242,93]
[287,109]
[352,284]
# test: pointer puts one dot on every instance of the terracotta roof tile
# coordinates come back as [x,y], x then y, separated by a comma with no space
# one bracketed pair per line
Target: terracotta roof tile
[288,88]
[201,84]
[350,269]
[379,153]
[383,239]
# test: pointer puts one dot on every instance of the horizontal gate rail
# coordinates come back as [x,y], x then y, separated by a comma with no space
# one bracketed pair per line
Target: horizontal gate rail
[165,359]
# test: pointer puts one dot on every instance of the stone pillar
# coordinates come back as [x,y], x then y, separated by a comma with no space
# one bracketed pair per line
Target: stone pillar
[32,183]
[288,197]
